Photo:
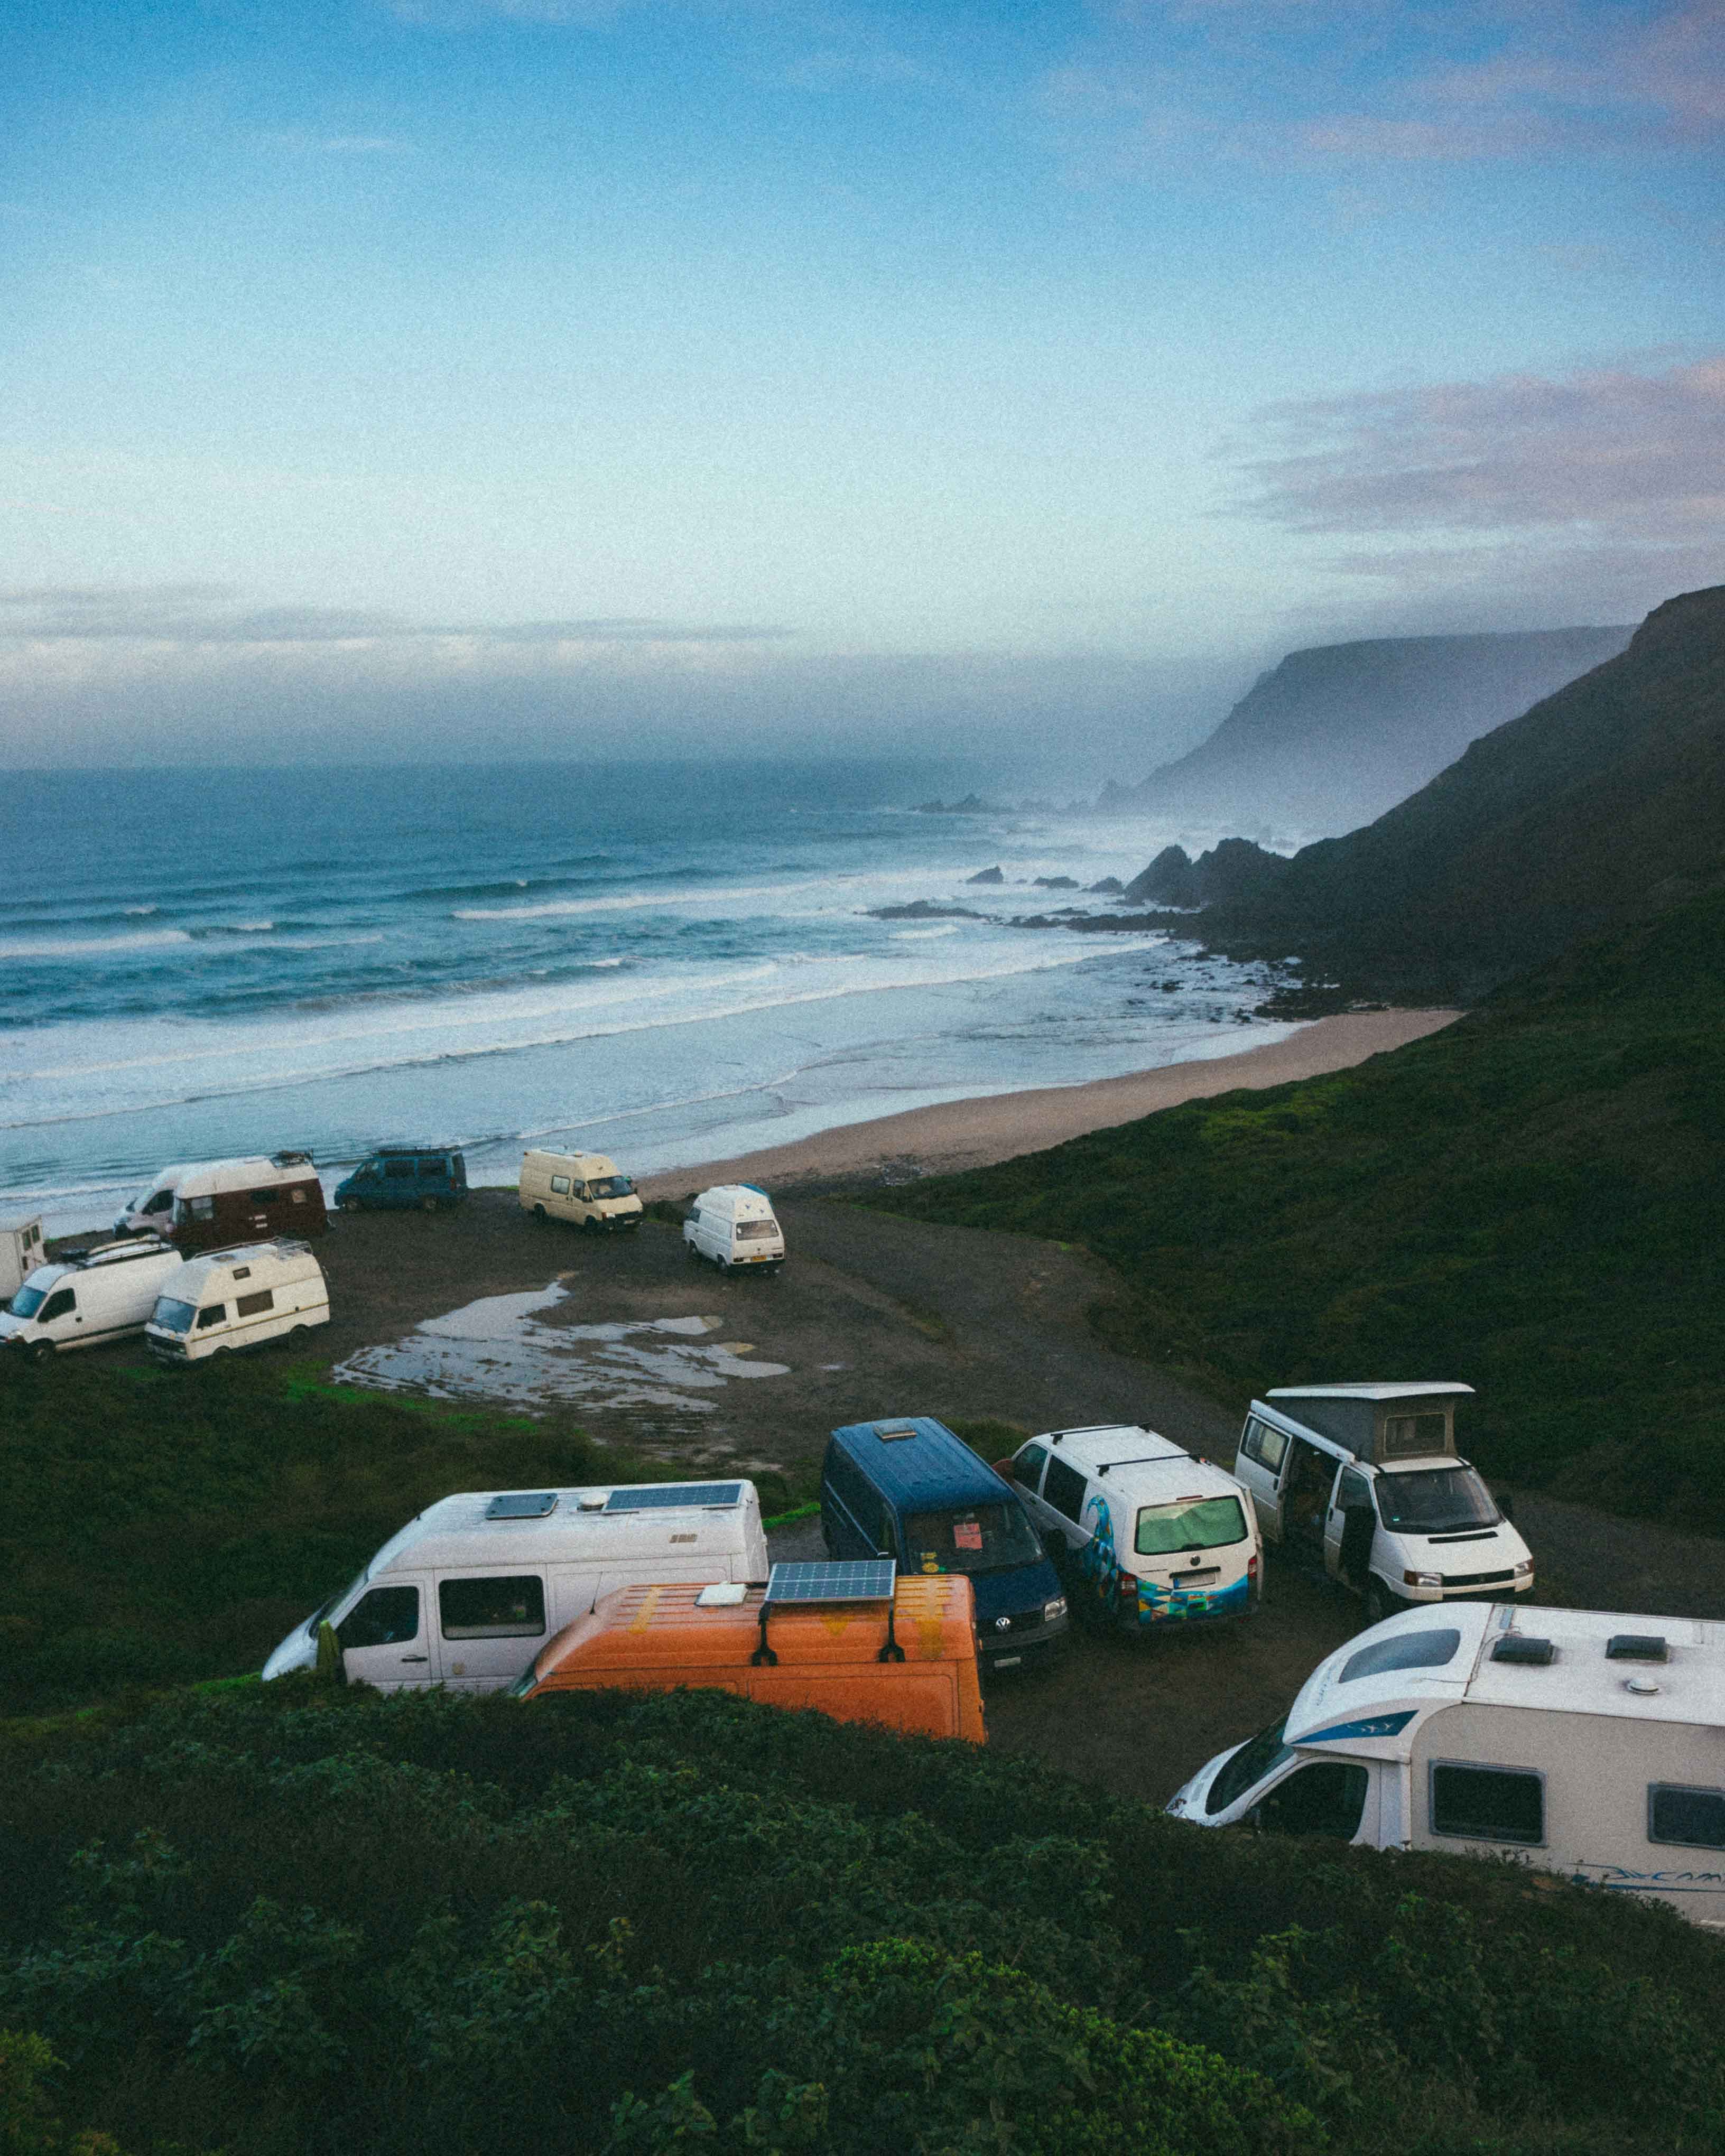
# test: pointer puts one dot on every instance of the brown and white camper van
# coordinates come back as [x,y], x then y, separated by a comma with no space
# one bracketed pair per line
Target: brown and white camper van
[244,1201]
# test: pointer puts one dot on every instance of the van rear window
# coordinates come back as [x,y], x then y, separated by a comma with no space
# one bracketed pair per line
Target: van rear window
[748,1231]
[1207,1523]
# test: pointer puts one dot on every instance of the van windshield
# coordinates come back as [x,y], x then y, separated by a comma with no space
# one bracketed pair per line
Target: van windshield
[978,1538]
[1434,1501]
[612,1186]
[173,1317]
[26,1302]
[1199,1523]
[1252,1762]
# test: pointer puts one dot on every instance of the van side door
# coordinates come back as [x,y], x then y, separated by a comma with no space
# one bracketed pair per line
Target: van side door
[1349,1527]
[384,1636]
[1260,1463]
[490,1626]
[61,1312]
[1063,1488]
[1024,1472]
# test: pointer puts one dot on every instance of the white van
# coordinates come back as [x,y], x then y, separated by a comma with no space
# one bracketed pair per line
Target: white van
[239,1298]
[585,1187]
[1151,1535]
[1366,1480]
[151,1211]
[733,1224]
[470,1590]
[103,1296]
[1589,1745]
[21,1251]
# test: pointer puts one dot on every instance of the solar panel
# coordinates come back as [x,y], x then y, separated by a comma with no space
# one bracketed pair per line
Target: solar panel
[522,1505]
[661,1497]
[870,1579]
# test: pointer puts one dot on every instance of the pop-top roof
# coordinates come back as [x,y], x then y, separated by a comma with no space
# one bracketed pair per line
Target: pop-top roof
[1381,1389]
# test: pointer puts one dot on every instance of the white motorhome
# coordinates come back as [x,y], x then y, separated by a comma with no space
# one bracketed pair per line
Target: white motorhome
[586,1187]
[734,1224]
[21,1251]
[469,1591]
[1590,1743]
[239,1298]
[151,1211]
[1152,1535]
[104,1295]
[1366,1478]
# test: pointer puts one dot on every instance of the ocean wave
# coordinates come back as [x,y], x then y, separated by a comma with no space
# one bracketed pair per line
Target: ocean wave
[633,900]
[923,935]
[91,947]
[140,911]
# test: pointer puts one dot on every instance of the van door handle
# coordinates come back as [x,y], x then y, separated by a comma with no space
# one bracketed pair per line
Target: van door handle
[416,1658]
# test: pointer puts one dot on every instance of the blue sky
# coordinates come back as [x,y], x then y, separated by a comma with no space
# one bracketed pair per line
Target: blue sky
[519,378]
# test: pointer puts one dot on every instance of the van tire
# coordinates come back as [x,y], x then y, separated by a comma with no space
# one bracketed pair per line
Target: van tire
[352,1205]
[42,1351]
[589,1227]
[1380,1603]
[428,1205]
[539,1214]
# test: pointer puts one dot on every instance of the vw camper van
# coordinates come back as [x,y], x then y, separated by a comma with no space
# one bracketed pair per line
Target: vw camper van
[239,1298]
[906,1660]
[1153,1537]
[405,1178]
[472,1588]
[105,1294]
[1588,1744]
[584,1188]
[1366,1479]
[909,1488]
[236,1201]
[733,1224]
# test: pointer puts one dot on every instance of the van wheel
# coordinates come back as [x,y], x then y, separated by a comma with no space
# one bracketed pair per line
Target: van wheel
[42,1351]
[589,1227]
[427,1205]
[539,1214]
[1380,1603]
[352,1205]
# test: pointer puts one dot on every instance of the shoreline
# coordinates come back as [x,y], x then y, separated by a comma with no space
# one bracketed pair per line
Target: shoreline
[956,1135]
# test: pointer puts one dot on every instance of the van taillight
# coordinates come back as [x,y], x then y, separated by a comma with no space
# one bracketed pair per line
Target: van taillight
[1252,1568]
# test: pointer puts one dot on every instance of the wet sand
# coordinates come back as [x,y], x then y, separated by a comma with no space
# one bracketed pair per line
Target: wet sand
[975,1133]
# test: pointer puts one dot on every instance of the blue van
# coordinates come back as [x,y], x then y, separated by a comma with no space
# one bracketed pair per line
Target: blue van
[399,1178]
[910,1489]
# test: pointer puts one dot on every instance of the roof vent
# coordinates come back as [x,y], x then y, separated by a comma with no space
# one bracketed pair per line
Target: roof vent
[1520,1647]
[522,1505]
[1636,1647]
[893,1433]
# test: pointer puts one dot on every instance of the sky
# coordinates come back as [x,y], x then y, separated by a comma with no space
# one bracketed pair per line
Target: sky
[469,378]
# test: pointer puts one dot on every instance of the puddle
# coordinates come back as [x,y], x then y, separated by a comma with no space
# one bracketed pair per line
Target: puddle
[500,1348]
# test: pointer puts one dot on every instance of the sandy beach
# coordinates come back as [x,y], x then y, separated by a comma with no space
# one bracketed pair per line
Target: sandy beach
[975,1133]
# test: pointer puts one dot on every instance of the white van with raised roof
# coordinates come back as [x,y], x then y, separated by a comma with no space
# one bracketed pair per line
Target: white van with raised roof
[473,1587]
[733,1225]
[107,1294]
[587,1189]
[241,1298]
[1588,1744]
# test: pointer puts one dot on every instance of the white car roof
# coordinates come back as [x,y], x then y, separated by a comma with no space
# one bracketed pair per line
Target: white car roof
[456,1530]
[1580,1677]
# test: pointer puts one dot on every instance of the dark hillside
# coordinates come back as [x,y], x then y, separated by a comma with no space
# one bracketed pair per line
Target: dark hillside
[1599,805]
[1530,1200]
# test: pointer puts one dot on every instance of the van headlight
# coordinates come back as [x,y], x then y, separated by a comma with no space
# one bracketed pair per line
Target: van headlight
[1422,1579]
[1050,1611]
[1524,1570]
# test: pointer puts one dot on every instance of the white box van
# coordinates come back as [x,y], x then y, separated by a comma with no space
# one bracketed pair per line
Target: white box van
[733,1224]
[239,1298]
[1366,1480]
[102,1295]
[470,1590]
[582,1187]
[1151,1535]
[21,1251]
[1589,1745]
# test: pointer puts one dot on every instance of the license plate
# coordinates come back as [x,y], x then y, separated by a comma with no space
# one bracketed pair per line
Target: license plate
[1007,1661]
[1196,1579]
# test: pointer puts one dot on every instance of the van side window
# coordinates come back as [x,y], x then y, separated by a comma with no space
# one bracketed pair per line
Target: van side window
[57,1305]
[262,1197]
[203,1209]
[491,1609]
[560,1184]
[159,1204]
[398,1171]
[1063,1489]
[1354,1493]
[1026,1467]
[249,1306]
[1326,1798]
[214,1314]
[381,1619]
[1488,1804]
[1694,1818]
[1268,1446]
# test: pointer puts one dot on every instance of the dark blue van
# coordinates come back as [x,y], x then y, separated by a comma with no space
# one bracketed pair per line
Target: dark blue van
[425,1178]
[909,1488]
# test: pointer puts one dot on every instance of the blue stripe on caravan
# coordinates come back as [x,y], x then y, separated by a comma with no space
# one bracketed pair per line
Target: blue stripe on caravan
[1374,1725]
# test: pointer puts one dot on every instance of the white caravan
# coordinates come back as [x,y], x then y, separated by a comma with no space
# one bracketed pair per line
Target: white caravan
[1591,1744]
[239,1298]
[1153,1536]
[1367,1479]
[585,1187]
[21,1251]
[104,1295]
[468,1593]
[733,1224]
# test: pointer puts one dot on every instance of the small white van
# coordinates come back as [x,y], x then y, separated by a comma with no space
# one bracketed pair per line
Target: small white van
[733,1224]
[239,1298]
[585,1187]
[470,1590]
[1148,1534]
[1366,1478]
[1589,1745]
[104,1295]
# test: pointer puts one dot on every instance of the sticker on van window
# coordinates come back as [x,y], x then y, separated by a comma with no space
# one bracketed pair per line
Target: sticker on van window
[967,1534]
[930,1563]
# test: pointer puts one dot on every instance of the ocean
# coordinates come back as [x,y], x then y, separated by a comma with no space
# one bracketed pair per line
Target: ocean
[667,962]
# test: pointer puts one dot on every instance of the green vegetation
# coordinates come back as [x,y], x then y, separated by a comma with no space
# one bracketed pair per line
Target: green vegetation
[294,1918]
[1529,1201]
[165,1525]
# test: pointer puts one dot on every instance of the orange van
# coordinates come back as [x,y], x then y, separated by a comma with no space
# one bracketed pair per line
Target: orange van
[837,1656]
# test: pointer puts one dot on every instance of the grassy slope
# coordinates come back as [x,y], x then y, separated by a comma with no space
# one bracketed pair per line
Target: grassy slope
[1529,1201]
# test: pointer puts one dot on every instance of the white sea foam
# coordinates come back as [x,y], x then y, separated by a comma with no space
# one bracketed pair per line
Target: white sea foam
[924,935]
[142,910]
[92,947]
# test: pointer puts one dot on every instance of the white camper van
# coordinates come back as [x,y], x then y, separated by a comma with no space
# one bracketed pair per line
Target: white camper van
[733,1224]
[21,1251]
[1588,1744]
[1367,1479]
[585,1187]
[469,1591]
[103,1296]
[1152,1535]
[239,1298]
